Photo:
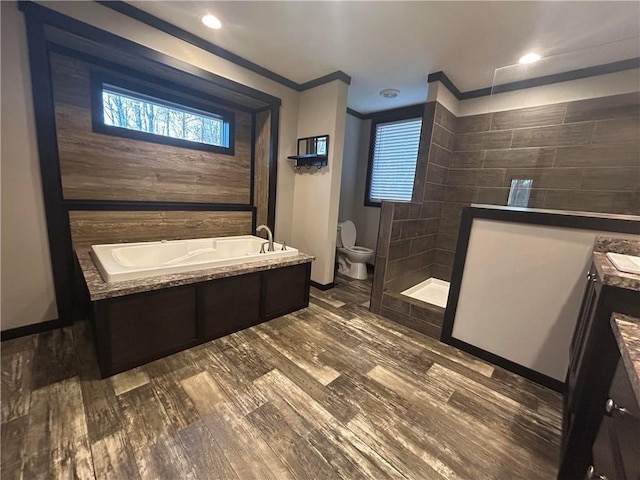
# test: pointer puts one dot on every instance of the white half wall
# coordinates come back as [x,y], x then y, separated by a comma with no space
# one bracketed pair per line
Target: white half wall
[521,292]
[322,110]
[27,282]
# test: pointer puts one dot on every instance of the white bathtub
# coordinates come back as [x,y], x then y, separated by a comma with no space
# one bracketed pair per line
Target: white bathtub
[129,261]
[432,290]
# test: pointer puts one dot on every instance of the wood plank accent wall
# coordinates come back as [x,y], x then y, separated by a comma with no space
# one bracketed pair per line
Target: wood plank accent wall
[90,180]
[92,227]
[261,174]
[96,166]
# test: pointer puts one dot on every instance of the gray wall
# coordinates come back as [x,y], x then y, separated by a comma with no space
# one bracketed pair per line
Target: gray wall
[354,183]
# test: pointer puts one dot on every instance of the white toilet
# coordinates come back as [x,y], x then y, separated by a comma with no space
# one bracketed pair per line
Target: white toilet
[352,260]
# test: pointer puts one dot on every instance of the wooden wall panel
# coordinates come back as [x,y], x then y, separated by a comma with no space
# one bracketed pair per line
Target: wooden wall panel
[96,227]
[96,166]
[261,180]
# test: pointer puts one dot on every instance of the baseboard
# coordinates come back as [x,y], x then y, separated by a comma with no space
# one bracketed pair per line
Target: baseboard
[320,286]
[30,329]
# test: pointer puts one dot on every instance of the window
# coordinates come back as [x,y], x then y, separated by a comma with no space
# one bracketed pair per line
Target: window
[519,192]
[392,160]
[154,117]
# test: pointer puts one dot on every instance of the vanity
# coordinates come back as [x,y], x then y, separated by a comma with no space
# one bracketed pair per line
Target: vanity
[601,414]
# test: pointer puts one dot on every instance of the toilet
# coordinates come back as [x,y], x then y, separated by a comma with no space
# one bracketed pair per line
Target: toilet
[352,260]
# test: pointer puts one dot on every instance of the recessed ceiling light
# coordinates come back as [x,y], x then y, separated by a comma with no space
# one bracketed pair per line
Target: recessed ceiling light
[529,58]
[389,93]
[211,21]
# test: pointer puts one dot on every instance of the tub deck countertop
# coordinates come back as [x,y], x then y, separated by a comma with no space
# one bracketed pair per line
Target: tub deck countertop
[100,290]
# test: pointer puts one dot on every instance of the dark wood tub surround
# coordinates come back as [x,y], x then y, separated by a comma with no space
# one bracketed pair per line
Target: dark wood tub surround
[101,188]
[138,321]
[582,156]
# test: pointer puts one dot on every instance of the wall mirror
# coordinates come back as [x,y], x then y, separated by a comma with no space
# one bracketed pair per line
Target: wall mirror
[316,146]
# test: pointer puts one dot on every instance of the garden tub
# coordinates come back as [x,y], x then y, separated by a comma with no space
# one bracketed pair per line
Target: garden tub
[130,261]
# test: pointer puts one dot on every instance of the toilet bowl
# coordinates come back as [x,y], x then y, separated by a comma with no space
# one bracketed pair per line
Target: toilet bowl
[352,260]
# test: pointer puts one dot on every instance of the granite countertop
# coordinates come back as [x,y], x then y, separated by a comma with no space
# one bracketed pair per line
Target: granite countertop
[626,329]
[100,290]
[607,273]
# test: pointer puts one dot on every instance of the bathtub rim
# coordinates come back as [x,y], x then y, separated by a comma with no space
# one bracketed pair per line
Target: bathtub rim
[112,271]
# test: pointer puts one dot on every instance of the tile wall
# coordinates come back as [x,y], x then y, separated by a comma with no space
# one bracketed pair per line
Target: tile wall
[582,155]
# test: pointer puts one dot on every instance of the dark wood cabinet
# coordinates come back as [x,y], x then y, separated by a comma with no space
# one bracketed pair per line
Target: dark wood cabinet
[229,304]
[592,362]
[138,328]
[285,290]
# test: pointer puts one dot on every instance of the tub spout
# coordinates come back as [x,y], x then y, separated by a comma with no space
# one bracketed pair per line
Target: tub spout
[269,235]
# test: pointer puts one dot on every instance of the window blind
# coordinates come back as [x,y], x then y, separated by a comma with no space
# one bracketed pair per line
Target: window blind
[394,160]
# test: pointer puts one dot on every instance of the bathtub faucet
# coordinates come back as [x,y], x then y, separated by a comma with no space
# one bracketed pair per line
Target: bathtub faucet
[269,235]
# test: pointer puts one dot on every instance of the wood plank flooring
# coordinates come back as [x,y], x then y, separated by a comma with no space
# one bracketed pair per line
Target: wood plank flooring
[329,392]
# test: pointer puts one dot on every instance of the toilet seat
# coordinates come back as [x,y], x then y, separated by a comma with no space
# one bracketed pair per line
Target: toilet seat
[359,249]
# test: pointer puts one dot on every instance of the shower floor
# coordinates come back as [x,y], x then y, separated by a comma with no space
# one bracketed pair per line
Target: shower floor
[432,290]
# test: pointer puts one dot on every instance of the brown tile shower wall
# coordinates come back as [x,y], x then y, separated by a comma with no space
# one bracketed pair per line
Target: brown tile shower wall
[408,231]
[581,155]
[413,231]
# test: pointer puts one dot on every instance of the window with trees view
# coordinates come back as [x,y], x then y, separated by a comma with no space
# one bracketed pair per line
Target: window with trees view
[142,116]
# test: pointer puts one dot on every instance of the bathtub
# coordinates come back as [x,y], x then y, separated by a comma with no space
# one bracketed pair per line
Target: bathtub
[432,290]
[130,261]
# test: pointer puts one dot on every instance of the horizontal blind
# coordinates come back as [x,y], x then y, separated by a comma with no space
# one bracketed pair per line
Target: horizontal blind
[394,160]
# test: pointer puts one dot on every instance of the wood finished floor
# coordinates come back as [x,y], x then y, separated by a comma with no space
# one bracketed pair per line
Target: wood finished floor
[330,392]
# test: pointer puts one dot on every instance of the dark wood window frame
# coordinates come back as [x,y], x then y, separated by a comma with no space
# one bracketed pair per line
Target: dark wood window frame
[99,80]
[388,116]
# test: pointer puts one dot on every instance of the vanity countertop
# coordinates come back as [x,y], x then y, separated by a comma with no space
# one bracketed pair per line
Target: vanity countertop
[626,329]
[100,290]
[608,274]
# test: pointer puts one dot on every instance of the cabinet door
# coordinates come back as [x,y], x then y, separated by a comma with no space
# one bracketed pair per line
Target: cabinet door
[286,290]
[146,326]
[606,458]
[625,419]
[582,338]
[586,307]
[229,304]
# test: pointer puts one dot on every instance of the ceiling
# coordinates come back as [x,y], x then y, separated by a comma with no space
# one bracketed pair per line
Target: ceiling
[395,44]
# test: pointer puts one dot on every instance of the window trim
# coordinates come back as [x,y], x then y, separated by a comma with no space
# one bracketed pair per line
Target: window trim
[98,80]
[404,113]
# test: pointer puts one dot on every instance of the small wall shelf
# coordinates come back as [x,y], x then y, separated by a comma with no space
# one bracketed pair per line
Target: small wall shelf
[312,152]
